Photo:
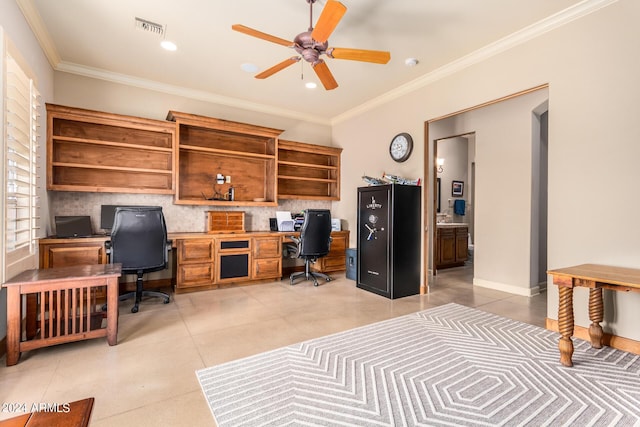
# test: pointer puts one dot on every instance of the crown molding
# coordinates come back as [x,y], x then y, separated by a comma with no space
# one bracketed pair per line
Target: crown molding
[199,95]
[34,20]
[552,22]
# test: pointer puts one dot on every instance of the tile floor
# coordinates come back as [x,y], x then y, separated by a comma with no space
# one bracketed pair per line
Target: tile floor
[148,379]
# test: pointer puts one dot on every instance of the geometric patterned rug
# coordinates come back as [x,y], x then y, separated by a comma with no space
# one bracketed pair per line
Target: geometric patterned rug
[447,366]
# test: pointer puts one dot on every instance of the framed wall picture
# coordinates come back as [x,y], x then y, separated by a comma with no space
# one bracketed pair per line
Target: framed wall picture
[457,188]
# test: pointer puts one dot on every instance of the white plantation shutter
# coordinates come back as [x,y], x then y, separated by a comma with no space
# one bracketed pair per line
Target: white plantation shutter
[21,204]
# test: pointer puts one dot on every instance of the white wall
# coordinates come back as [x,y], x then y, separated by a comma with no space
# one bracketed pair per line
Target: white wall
[591,66]
[15,28]
[504,176]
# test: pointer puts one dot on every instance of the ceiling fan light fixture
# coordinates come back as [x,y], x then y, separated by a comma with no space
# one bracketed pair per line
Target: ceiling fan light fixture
[310,85]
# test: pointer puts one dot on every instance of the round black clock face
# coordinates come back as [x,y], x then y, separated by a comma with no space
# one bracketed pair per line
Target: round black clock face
[400,147]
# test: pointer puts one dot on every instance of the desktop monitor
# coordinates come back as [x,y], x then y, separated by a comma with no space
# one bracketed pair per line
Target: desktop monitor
[108,212]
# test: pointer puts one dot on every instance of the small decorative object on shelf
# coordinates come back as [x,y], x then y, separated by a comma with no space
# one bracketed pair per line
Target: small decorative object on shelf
[373,181]
[225,222]
[395,179]
[390,179]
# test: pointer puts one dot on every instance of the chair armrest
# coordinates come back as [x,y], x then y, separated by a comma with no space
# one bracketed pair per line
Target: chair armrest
[169,244]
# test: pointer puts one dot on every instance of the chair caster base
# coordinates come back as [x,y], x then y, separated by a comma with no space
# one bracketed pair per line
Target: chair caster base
[134,309]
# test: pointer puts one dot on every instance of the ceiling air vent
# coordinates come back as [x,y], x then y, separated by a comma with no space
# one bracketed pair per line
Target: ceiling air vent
[150,27]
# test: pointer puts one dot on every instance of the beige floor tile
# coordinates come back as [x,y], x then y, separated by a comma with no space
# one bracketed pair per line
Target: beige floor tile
[189,409]
[149,379]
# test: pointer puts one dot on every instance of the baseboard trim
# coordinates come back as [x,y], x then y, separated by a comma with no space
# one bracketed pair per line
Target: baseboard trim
[527,292]
[610,340]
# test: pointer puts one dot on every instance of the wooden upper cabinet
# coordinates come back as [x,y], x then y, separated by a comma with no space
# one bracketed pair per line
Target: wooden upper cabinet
[308,171]
[103,152]
[245,153]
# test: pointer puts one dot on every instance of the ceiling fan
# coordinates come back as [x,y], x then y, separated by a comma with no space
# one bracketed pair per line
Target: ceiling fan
[315,42]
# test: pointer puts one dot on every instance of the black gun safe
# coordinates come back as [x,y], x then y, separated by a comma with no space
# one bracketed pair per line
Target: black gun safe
[389,236]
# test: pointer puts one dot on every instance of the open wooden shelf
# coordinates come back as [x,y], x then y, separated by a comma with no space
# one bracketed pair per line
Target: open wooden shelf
[103,152]
[308,171]
[208,146]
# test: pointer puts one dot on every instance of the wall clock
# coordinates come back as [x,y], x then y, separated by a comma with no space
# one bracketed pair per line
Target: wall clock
[401,146]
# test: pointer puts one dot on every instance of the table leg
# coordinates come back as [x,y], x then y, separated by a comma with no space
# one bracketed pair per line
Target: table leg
[565,324]
[596,315]
[112,311]
[14,327]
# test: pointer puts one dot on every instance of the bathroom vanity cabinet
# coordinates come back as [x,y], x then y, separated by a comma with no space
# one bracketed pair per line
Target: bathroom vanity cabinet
[451,245]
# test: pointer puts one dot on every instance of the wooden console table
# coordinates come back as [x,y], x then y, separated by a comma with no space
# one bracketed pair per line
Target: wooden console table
[66,306]
[596,278]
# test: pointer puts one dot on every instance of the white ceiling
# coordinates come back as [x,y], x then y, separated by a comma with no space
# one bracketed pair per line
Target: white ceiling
[98,38]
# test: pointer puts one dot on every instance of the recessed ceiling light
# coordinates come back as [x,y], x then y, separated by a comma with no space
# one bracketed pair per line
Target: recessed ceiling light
[249,67]
[167,45]
[411,62]
[310,85]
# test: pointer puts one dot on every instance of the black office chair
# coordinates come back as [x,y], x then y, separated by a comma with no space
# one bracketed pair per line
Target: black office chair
[314,243]
[139,242]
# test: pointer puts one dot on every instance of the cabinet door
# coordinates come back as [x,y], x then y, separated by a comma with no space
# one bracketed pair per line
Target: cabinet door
[447,247]
[336,260]
[72,254]
[233,260]
[461,244]
[374,214]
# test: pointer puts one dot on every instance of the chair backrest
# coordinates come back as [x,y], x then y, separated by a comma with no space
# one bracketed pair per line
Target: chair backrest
[315,235]
[139,238]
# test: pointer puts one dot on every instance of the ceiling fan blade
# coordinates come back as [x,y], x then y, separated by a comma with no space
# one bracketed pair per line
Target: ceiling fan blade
[261,35]
[376,56]
[329,19]
[325,76]
[278,67]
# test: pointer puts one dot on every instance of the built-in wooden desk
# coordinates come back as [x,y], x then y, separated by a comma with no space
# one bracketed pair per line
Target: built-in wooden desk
[596,278]
[201,257]
[213,260]
[66,306]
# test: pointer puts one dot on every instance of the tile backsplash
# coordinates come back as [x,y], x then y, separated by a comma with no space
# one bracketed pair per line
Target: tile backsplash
[179,218]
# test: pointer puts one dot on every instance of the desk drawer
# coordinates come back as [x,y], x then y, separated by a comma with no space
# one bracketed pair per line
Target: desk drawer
[267,268]
[194,275]
[195,250]
[267,247]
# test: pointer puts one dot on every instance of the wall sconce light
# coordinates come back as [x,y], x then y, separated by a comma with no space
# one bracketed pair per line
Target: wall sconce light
[440,162]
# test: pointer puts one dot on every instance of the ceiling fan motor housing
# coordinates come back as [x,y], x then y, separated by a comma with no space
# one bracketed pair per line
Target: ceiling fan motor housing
[308,48]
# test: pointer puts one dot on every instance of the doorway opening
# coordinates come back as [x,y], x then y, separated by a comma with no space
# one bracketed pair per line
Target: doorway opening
[503,184]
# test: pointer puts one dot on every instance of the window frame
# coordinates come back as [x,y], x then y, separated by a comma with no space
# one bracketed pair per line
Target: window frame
[20,131]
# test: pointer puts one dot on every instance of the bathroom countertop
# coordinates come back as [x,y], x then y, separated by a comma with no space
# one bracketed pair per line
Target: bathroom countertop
[452,224]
